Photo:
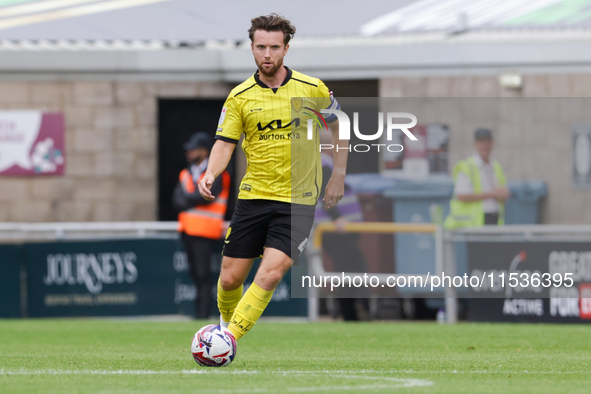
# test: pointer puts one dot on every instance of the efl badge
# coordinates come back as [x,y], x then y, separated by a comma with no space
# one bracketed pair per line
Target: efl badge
[297,103]
[222,117]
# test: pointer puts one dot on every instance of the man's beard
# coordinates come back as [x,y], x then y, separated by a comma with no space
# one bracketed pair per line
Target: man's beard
[273,71]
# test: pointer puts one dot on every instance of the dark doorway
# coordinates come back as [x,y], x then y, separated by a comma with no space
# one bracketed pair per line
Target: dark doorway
[178,119]
[356,88]
[360,163]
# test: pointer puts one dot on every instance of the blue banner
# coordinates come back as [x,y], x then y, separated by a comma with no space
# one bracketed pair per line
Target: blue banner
[11,258]
[124,278]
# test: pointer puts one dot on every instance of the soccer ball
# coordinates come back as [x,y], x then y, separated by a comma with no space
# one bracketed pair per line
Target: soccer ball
[213,346]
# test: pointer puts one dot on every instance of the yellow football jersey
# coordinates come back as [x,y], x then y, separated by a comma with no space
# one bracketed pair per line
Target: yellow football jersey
[283,165]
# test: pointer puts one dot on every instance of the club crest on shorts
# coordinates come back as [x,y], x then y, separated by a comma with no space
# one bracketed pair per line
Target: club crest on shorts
[297,103]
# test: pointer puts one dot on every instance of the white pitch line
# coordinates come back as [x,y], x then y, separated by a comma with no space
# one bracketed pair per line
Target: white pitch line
[408,383]
[385,382]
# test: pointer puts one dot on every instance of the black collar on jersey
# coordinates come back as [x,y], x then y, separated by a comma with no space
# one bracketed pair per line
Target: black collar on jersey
[263,85]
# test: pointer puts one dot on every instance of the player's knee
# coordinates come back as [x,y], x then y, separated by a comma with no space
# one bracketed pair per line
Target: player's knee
[271,279]
[229,282]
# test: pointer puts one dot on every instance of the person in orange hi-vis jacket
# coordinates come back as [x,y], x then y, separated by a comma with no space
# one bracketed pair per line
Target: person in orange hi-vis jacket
[200,221]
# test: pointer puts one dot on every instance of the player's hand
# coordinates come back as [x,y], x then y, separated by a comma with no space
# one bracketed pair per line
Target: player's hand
[205,187]
[335,190]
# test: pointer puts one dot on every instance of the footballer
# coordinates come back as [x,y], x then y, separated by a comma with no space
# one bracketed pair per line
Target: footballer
[269,220]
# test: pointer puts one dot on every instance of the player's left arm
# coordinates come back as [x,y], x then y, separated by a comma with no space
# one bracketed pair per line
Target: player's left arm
[335,189]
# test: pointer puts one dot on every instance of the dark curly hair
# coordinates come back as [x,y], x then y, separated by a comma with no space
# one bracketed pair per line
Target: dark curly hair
[272,22]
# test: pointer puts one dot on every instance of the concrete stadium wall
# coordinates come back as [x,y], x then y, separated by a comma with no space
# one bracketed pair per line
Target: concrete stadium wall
[111,152]
[540,154]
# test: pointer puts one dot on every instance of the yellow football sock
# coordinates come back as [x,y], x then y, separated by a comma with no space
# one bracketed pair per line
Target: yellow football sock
[249,310]
[227,301]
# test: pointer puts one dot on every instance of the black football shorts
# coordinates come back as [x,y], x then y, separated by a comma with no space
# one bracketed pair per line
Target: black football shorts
[259,224]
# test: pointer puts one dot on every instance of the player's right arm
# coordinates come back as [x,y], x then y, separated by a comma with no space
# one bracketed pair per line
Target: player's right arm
[230,127]
[220,156]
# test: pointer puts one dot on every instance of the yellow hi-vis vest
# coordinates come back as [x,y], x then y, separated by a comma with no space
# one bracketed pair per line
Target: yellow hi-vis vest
[471,214]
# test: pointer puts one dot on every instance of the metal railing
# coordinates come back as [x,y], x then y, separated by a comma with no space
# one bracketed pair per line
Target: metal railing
[314,254]
[445,259]
[14,232]
[511,233]
[444,241]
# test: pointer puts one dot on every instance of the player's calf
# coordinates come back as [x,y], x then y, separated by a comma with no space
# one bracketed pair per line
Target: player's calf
[252,305]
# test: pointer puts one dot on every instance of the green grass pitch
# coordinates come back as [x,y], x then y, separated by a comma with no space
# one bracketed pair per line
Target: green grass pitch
[122,356]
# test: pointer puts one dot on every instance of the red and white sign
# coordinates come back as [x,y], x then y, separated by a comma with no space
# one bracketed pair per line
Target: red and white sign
[585,300]
[31,143]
